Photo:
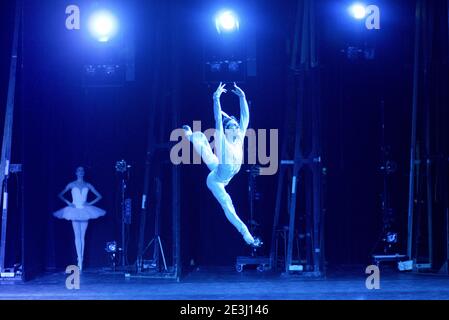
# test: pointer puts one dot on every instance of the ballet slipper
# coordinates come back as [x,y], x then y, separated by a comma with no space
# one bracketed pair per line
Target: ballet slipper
[249,239]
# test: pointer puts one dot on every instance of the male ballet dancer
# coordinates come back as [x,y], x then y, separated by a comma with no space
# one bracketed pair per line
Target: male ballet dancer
[229,136]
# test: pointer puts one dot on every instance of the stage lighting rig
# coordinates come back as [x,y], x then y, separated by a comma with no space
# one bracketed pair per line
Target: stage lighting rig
[103,75]
[356,53]
[229,49]
[225,70]
[109,60]
[113,250]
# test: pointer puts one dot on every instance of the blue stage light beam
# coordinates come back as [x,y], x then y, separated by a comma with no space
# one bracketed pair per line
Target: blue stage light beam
[103,25]
[226,21]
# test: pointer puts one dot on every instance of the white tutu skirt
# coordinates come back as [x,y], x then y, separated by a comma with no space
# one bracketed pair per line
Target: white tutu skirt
[79,214]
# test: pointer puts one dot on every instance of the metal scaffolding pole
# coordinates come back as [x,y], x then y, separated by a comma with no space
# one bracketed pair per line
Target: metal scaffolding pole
[304,228]
[413,133]
[5,161]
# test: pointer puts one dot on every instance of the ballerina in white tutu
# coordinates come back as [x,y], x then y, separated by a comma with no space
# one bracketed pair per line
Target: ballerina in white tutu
[79,211]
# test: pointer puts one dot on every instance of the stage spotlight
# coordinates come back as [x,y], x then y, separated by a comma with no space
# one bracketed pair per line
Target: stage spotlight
[357,10]
[111,247]
[103,25]
[113,251]
[226,21]
[391,237]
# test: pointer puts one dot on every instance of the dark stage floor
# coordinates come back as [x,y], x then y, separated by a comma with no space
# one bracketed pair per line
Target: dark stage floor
[225,283]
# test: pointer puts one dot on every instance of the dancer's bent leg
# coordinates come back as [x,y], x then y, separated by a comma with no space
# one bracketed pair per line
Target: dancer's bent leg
[202,147]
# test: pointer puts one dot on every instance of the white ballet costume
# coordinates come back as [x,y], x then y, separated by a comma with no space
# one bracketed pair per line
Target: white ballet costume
[81,211]
[221,174]
[79,214]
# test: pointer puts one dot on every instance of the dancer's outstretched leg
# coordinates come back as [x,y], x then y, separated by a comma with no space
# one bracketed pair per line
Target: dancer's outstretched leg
[202,147]
[218,190]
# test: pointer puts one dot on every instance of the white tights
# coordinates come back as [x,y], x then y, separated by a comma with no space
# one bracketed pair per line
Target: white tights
[79,230]
[217,186]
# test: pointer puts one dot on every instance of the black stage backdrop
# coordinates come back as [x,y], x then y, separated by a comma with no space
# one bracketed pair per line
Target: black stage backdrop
[64,125]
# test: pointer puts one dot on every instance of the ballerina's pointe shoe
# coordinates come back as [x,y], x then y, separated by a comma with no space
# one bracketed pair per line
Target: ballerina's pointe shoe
[249,239]
[257,243]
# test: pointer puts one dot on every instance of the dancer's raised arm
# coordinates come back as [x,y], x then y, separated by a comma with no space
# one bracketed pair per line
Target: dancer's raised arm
[244,110]
[217,108]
